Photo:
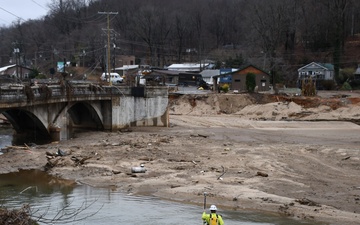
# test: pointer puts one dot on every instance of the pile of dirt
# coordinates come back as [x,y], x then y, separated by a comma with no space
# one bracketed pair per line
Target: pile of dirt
[213,104]
[268,107]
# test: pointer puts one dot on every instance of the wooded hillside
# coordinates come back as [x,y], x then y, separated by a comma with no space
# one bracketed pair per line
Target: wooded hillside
[276,35]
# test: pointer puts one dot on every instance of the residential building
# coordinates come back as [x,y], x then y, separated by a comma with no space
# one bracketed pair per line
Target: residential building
[238,79]
[317,71]
[15,71]
[262,78]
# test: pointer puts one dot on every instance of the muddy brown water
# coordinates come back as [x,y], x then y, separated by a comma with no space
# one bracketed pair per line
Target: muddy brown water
[57,202]
[50,199]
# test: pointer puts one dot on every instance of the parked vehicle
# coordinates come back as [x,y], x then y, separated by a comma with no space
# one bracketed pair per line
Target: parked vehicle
[114,77]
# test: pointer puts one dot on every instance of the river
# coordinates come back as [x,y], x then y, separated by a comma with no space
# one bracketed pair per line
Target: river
[82,204]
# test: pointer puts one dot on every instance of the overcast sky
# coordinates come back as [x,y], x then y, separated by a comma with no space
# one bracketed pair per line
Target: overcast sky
[13,10]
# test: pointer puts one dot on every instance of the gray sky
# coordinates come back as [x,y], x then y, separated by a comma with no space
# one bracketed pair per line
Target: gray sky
[13,10]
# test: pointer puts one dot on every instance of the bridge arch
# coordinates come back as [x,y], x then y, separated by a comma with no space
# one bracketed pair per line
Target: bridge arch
[66,119]
[26,123]
[85,116]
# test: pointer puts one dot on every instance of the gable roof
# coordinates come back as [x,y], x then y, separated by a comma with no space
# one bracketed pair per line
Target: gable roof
[3,69]
[326,66]
[250,65]
[242,68]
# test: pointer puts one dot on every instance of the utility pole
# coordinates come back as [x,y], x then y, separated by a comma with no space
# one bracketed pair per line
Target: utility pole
[17,61]
[108,42]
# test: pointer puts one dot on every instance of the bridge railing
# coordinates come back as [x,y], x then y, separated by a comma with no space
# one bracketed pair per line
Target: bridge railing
[72,91]
[16,93]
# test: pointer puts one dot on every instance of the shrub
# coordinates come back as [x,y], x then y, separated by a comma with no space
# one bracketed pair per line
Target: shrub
[250,82]
[346,86]
[308,87]
[225,88]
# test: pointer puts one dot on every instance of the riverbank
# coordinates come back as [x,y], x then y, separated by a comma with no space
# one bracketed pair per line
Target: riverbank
[268,160]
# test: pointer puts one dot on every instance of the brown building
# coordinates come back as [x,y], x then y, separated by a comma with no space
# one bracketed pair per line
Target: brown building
[239,78]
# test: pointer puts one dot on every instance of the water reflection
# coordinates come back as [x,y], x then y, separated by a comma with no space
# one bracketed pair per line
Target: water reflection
[93,206]
[8,136]
[24,186]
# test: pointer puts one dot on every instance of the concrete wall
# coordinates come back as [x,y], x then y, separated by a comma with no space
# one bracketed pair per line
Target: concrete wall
[133,111]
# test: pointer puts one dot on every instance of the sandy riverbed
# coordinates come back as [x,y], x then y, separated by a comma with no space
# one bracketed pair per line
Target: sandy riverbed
[260,155]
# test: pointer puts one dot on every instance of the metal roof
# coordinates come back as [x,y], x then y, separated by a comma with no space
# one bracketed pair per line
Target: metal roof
[210,73]
[3,69]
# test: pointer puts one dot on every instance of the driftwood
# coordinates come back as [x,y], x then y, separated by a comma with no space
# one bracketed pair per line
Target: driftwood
[16,216]
[16,147]
[222,173]
[12,147]
[80,161]
[27,146]
[305,201]
[51,163]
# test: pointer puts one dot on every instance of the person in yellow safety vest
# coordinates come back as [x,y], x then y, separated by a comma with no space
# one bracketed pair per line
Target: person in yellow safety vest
[213,218]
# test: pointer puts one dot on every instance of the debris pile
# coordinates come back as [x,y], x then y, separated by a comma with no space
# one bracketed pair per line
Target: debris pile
[16,216]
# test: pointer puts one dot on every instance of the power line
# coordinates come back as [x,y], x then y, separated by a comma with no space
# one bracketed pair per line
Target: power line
[39,5]
[11,13]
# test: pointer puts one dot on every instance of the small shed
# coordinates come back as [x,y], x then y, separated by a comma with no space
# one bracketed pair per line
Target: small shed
[238,81]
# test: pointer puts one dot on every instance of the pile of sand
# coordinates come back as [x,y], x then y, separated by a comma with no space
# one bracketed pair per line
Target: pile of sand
[247,107]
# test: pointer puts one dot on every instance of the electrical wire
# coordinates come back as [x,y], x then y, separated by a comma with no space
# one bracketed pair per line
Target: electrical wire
[39,4]
[11,13]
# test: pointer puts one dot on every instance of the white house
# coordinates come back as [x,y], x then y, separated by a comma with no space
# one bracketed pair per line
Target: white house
[317,71]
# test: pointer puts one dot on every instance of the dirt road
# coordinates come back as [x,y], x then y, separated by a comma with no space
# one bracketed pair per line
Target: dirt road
[302,169]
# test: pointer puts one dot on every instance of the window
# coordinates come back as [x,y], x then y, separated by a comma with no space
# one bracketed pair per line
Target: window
[237,80]
[263,82]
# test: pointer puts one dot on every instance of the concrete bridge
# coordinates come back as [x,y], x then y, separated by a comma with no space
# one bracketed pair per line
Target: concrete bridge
[56,111]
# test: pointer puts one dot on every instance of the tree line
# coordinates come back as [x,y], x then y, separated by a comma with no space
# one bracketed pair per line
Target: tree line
[278,36]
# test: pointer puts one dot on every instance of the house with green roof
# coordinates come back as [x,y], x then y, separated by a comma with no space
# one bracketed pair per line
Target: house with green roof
[318,72]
